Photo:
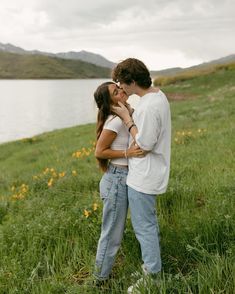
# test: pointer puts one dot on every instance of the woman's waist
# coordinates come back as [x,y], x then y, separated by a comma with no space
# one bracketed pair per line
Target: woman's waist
[117,168]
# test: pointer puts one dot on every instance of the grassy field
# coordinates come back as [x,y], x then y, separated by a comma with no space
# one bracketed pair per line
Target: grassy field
[50,210]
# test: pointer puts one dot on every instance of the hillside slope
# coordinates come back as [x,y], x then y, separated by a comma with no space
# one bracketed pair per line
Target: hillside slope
[83,55]
[197,72]
[202,66]
[18,66]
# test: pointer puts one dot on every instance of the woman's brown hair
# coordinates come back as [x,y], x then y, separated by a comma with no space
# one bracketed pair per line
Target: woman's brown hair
[103,102]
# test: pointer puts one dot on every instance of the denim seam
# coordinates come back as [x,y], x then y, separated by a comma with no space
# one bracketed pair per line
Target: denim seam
[113,218]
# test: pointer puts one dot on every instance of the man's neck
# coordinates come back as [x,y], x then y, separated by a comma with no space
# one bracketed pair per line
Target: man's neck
[141,92]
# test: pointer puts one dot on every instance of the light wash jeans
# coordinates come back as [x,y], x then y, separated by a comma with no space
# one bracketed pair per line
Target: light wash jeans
[113,192]
[145,224]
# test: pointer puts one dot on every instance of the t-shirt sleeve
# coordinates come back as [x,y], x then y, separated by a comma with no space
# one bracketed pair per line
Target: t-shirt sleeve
[149,127]
[113,124]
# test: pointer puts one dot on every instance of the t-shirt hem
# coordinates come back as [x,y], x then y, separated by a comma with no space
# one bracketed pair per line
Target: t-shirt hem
[146,191]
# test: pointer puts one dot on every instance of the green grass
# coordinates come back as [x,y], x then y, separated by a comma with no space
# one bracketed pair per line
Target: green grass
[47,245]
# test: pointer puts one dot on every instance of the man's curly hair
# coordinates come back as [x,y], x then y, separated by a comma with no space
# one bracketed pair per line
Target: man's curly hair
[132,70]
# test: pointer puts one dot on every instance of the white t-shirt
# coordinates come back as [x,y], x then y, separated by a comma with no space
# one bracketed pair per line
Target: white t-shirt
[152,117]
[115,124]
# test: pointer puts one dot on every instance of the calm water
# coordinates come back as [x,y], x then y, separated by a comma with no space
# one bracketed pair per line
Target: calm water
[31,107]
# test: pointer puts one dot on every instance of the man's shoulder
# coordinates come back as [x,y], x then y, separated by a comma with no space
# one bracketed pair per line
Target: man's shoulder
[153,99]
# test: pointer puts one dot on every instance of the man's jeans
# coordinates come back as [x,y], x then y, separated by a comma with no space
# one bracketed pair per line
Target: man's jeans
[145,224]
[113,191]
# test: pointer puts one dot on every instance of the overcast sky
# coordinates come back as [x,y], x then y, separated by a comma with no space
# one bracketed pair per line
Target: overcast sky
[161,33]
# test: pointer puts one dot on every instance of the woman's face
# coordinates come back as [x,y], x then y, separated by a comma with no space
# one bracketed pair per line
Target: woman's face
[117,94]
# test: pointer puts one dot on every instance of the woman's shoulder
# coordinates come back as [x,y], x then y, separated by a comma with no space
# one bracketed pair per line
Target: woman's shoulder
[113,121]
[114,118]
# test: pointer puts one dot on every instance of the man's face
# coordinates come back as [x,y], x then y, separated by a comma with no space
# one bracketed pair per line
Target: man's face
[129,89]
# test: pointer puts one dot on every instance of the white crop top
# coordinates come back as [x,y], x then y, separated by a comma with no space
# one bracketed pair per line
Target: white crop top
[121,142]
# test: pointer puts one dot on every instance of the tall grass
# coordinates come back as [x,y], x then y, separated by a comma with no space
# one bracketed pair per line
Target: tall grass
[50,210]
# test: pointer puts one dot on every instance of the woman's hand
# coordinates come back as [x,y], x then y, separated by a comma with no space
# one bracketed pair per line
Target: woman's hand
[135,151]
[130,109]
[122,112]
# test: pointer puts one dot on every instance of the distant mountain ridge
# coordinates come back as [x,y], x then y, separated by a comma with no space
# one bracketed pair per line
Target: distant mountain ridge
[83,55]
[92,59]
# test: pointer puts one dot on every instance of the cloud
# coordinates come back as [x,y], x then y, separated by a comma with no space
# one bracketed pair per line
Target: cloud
[191,31]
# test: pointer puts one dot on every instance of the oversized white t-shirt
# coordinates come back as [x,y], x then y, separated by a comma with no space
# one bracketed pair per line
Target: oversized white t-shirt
[115,124]
[152,117]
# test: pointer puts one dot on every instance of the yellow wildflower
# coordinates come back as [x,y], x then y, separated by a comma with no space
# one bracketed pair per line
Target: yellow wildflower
[46,171]
[95,206]
[62,174]
[54,174]
[86,213]
[24,190]
[74,173]
[50,182]
[17,196]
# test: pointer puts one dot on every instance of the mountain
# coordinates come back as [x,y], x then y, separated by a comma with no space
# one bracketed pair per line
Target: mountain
[34,66]
[11,48]
[87,57]
[82,55]
[100,61]
[167,71]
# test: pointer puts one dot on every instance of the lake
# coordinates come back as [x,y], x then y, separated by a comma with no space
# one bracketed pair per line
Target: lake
[31,107]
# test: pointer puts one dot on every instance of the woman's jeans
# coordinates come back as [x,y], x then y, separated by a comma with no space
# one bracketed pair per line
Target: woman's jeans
[113,192]
[145,224]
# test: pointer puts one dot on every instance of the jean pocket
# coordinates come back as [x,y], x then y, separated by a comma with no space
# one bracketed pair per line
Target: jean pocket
[105,187]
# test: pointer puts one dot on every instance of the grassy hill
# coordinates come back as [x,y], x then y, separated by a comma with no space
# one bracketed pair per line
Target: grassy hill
[189,74]
[17,66]
[50,210]
[199,67]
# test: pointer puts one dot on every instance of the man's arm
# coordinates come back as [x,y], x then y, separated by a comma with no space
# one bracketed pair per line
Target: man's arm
[145,136]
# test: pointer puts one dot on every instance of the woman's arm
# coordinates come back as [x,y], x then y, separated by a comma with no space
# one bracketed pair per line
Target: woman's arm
[104,151]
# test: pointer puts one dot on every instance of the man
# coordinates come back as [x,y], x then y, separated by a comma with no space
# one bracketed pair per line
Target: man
[148,176]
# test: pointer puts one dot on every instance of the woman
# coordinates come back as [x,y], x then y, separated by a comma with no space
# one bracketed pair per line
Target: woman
[112,153]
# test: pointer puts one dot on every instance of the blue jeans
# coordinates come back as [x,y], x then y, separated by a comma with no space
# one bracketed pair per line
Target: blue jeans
[113,192]
[145,224]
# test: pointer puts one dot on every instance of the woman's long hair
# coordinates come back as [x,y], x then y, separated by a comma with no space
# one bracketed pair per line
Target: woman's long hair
[103,102]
